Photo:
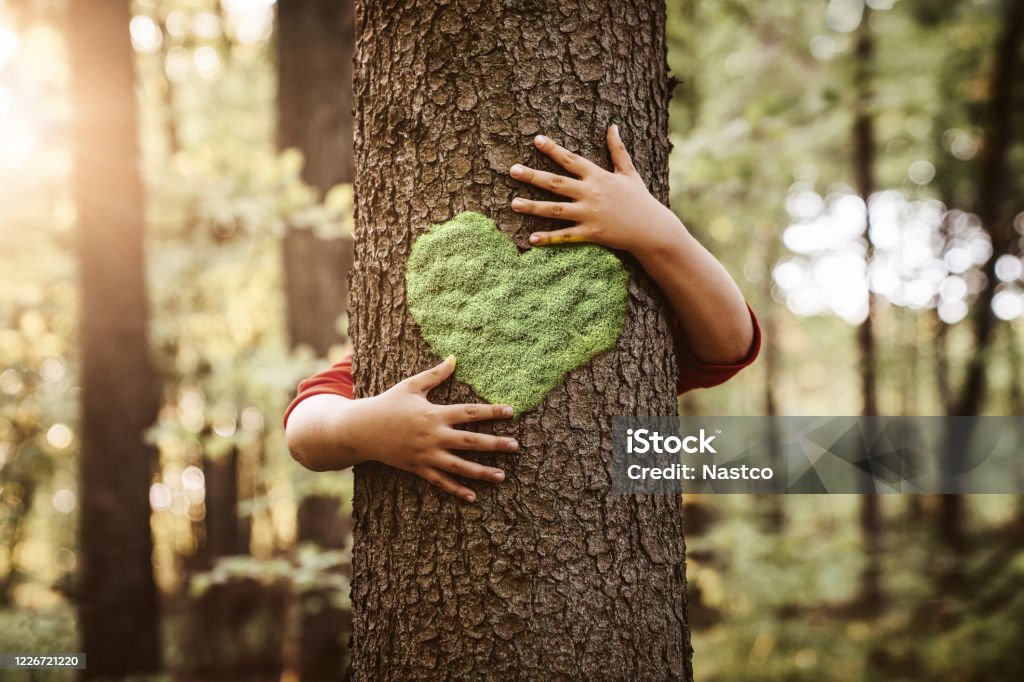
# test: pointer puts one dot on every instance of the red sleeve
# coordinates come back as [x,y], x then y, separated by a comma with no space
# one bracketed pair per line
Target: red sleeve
[695,373]
[337,380]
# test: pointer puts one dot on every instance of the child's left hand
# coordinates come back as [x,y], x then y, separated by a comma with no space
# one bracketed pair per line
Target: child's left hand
[613,209]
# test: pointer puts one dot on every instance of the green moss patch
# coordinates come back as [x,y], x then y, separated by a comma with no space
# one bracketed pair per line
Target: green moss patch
[517,324]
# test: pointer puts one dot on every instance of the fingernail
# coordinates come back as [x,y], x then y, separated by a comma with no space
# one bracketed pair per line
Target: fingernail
[470,497]
[512,444]
[498,475]
[540,139]
[450,360]
[535,239]
[615,128]
[516,170]
[518,203]
[506,411]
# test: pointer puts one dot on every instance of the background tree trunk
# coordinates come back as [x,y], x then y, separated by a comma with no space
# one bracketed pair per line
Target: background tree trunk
[996,215]
[864,170]
[549,575]
[314,104]
[120,389]
[772,362]
[314,108]
[226,533]
[322,650]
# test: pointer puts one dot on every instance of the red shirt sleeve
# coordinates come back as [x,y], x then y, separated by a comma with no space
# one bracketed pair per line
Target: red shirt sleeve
[696,373]
[693,372]
[336,380]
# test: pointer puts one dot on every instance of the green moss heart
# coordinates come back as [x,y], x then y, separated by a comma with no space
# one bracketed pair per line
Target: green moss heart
[517,323]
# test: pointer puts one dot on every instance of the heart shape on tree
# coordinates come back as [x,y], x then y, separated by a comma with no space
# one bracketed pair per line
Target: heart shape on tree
[516,323]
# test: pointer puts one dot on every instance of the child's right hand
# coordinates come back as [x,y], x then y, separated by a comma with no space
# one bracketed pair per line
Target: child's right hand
[403,429]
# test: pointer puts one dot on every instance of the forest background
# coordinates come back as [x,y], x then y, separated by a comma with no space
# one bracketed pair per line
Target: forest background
[786,117]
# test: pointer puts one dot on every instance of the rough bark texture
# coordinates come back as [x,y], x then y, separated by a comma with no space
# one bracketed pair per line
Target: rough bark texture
[549,575]
[120,389]
[314,104]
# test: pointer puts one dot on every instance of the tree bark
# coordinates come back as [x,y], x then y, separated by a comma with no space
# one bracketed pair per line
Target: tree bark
[550,575]
[120,388]
[314,105]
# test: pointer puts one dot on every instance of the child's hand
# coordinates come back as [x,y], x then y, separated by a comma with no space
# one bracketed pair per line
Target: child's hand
[611,209]
[403,429]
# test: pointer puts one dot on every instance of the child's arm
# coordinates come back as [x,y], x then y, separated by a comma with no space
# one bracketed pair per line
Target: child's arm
[615,209]
[399,427]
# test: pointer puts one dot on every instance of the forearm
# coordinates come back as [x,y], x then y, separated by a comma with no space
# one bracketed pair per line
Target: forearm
[709,305]
[321,432]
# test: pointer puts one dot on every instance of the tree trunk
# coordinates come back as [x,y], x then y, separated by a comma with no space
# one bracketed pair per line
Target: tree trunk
[772,371]
[913,504]
[322,655]
[1015,399]
[996,217]
[173,136]
[993,200]
[120,389]
[226,534]
[314,106]
[864,162]
[550,575]
[315,42]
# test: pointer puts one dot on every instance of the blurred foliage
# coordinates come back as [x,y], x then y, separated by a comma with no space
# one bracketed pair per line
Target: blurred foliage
[310,569]
[219,200]
[783,606]
[762,163]
[762,120]
[51,630]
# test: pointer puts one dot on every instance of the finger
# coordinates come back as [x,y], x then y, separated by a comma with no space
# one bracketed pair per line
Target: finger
[563,210]
[460,467]
[559,184]
[566,236]
[446,483]
[428,379]
[460,414]
[617,148]
[574,163]
[469,440]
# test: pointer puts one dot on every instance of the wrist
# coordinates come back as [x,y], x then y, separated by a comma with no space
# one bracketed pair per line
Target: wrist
[665,242]
[350,428]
